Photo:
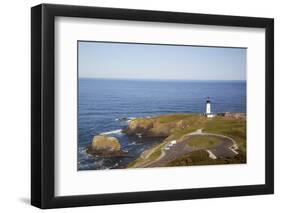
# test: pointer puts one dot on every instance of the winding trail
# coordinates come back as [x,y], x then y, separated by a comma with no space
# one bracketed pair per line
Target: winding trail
[226,148]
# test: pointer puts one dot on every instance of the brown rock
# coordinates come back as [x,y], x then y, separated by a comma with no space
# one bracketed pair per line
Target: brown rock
[230,115]
[149,127]
[182,124]
[107,143]
[160,130]
[105,146]
[139,126]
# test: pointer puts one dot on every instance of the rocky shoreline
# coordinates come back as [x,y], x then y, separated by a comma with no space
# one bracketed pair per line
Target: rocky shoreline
[168,127]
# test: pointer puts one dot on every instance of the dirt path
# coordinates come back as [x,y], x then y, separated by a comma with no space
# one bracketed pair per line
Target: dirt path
[226,148]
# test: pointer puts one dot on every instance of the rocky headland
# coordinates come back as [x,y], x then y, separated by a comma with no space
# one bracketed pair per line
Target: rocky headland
[177,128]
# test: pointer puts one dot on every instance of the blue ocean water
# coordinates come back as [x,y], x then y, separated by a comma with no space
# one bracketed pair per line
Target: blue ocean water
[106,105]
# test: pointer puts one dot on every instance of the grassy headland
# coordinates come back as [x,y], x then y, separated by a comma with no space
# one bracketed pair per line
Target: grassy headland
[178,126]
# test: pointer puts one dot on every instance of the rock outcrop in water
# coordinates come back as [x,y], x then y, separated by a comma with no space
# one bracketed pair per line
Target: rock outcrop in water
[105,146]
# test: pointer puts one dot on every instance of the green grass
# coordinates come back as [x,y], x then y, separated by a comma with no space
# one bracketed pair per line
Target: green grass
[190,159]
[172,117]
[153,156]
[203,141]
[235,129]
[201,157]
[193,122]
[156,154]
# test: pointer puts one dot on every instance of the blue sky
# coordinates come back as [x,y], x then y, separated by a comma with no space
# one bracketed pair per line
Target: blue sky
[163,62]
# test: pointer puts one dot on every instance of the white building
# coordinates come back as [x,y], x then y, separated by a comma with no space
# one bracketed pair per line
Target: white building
[209,113]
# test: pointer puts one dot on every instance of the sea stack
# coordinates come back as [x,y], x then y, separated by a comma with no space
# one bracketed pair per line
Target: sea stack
[105,146]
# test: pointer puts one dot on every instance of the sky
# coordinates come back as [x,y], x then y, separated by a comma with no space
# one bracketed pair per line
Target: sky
[163,62]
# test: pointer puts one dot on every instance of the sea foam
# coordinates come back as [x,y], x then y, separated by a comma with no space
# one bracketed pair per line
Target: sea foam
[117,132]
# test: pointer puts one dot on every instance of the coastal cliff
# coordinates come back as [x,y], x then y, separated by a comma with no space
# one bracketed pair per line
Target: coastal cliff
[160,126]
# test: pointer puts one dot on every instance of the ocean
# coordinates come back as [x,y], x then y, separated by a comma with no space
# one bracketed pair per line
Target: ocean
[106,105]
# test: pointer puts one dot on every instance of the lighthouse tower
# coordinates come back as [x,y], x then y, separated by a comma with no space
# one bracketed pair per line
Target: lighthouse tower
[208,108]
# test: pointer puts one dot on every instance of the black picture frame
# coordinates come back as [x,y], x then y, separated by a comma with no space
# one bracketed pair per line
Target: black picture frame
[43,102]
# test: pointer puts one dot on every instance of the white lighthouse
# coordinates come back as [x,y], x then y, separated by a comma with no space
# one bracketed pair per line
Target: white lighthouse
[208,108]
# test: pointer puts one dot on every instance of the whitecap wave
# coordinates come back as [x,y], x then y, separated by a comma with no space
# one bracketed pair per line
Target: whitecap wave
[127,119]
[113,132]
[139,135]
[130,118]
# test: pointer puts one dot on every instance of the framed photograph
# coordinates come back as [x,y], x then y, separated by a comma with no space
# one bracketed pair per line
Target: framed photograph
[139,106]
